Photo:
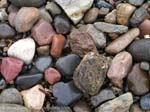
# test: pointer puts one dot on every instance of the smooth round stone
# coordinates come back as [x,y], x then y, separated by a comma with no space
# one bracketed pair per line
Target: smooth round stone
[60,109]
[11,95]
[136,2]
[6,31]
[82,106]
[32,80]
[145,27]
[43,62]
[145,66]
[43,50]
[62,24]
[145,102]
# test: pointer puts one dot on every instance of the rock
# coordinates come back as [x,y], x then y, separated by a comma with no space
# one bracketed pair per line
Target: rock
[145,66]
[124,11]
[145,102]
[81,45]
[3,4]
[32,80]
[136,2]
[138,81]
[43,50]
[52,75]
[25,18]
[91,15]
[136,108]
[90,74]
[23,49]
[43,32]
[5,107]
[3,15]
[12,8]
[43,62]
[103,96]
[144,27]
[97,36]
[6,31]
[2,84]
[103,11]
[82,106]
[62,24]
[75,9]
[119,104]
[103,4]
[11,95]
[34,98]
[11,18]
[69,93]
[10,68]
[139,50]
[60,109]
[58,44]
[123,41]
[67,64]
[110,28]
[111,17]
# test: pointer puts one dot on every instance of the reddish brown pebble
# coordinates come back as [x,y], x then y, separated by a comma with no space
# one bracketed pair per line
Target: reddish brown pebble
[43,32]
[10,68]
[52,75]
[145,27]
[57,45]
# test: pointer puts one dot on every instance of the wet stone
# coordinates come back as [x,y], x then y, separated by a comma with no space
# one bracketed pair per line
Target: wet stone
[145,102]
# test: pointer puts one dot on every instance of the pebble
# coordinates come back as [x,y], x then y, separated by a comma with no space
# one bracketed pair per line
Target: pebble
[103,11]
[32,80]
[43,50]
[90,74]
[75,9]
[25,18]
[103,4]
[43,62]
[10,68]
[11,95]
[11,18]
[103,96]
[60,109]
[145,102]
[62,24]
[34,98]
[136,108]
[67,64]
[2,84]
[136,2]
[3,15]
[138,81]
[43,32]
[145,27]
[110,28]
[69,93]
[119,104]
[6,31]
[23,49]
[145,66]
[123,41]
[52,75]
[12,8]
[3,3]
[82,106]
[111,17]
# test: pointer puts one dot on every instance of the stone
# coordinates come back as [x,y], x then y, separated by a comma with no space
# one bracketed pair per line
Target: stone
[97,36]
[25,18]
[145,102]
[69,93]
[62,24]
[124,11]
[144,27]
[23,49]
[103,96]
[52,75]
[43,32]
[138,81]
[136,2]
[75,9]
[60,109]
[136,108]
[3,3]
[119,104]
[81,45]
[91,15]
[32,79]
[103,11]
[110,28]
[145,66]
[43,62]
[82,106]
[111,17]
[2,84]
[90,74]
[11,18]
[34,98]
[11,95]
[123,41]
[6,31]
[67,64]
[58,44]
[10,68]
[43,50]
[103,4]
[3,15]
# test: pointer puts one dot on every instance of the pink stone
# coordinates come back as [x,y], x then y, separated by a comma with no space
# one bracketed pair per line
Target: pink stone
[10,68]
[52,75]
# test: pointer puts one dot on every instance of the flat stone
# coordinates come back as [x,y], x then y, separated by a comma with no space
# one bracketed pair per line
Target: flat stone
[136,2]
[43,50]
[111,17]
[3,3]
[23,49]
[3,15]
[144,27]
[82,106]
[145,66]
[60,109]
[145,102]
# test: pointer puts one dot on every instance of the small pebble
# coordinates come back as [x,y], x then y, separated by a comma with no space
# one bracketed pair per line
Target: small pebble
[2,84]
[3,15]
[82,106]
[60,109]
[136,2]
[145,66]
[111,17]
[145,102]
[3,3]
[43,50]
[11,18]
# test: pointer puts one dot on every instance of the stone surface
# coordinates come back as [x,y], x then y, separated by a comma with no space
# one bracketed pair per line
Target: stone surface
[60,109]
[23,49]
[11,18]
[3,15]
[136,108]
[3,3]
[145,66]
[75,9]
[82,106]
[69,93]
[138,81]
[111,17]
[89,76]
[145,27]
[123,41]
[119,104]
[10,68]
[103,4]
[43,50]
[25,18]
[43,32]
[2,84]
[136,2]
[145,102]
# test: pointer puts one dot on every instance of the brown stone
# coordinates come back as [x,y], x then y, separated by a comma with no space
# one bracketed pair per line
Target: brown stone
[145,27]
[111,17]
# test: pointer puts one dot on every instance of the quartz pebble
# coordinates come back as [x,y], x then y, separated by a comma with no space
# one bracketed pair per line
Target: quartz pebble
[81,106]
[145,102]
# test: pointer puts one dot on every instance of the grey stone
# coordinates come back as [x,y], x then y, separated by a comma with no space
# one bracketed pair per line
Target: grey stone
[136,2]
[60,109]
[145,102]
[3,15]
[145,66]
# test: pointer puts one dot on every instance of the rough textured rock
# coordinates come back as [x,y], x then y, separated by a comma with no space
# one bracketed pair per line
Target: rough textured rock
[145,102]
[82,106]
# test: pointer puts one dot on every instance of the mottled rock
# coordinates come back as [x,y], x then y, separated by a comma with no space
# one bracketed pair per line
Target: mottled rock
[111,17]
[3,3]
[136,2]
[43,50]
[3,15]
[145,27]
[82,106]
[60,109]
[145,102]
[145,66]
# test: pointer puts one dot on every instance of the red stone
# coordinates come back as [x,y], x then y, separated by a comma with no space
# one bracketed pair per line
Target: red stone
[52,75]
[43,32]
[10,68]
